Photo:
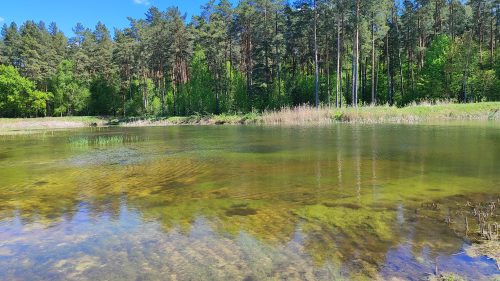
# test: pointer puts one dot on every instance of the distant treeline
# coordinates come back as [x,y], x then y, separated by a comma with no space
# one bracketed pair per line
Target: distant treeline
[261,54]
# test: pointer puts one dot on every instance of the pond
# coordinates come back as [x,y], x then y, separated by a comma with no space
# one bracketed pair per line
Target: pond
[346,202]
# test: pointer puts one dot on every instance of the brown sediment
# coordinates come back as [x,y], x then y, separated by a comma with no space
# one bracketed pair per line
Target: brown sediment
[241,211]
[343,205]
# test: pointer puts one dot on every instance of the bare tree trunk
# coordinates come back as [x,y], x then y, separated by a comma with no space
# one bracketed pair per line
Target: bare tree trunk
[347,86]
[479,30]
[492,36]
[162,98]
[373,101]
[389,77]
[124,96]
[438,23]
[395,22]
[341,59]
[376,79]
[230,60]
[412,82]
[466,72]
[365,70]
[420,45]
[410,64]
[452,19]
[327,63]
[145,92]
[355,62]
[247,53]
[278,58]
[226,72]
[338,84]
[266,51]
[316,56]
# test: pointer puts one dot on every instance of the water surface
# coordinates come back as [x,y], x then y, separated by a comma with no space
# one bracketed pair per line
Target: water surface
[242,203]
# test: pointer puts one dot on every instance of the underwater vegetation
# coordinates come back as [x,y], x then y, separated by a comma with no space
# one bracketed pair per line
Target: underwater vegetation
[256,204]
[103,140]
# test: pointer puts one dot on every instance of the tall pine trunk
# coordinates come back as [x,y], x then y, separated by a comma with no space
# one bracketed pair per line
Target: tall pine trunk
[395,22]
[373,101]
[355,63]
[338,84]
[327,65]
[316,81]
[278,59]
[389,76]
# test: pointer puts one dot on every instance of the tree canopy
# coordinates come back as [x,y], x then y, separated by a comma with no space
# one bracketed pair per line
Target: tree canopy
[257,55]
[18,96]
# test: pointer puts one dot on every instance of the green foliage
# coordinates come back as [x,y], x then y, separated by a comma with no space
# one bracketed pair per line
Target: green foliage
[486,86]
[133,99]
[432,83]
[200,99]
[260,55]
[302,90]
[104,96]
[240,94]
[69,96]
[18,96]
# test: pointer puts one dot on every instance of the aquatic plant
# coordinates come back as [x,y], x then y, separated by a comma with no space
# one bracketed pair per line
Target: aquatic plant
[446,276]
[475,222]
[84,141]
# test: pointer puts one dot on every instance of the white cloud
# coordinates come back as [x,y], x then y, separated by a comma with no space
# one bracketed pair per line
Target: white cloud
[142,2]
[2,19]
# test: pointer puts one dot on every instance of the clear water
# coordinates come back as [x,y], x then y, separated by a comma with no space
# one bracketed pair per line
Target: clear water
[242,203]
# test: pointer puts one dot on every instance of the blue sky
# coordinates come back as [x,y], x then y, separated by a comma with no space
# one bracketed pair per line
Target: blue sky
[66,13]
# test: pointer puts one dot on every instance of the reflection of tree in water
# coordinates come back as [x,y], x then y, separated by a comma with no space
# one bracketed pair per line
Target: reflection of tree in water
[337,225]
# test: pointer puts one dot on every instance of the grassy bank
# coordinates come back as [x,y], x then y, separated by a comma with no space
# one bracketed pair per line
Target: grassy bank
[12,124]
[303,115]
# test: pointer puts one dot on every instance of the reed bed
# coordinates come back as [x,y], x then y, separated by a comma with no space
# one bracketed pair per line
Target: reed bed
[414,113]
[299,115]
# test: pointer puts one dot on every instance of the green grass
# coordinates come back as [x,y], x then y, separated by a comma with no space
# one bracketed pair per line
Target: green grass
[17,126]
[84,119]
[222,119]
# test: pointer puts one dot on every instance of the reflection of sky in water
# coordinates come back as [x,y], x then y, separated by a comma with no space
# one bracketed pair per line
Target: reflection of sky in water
[122,156]
[401,262]
[125,246]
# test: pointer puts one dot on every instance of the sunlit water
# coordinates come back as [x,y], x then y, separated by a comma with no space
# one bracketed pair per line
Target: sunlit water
[242,203]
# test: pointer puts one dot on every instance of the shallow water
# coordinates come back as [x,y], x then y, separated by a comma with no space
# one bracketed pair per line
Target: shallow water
[242,203]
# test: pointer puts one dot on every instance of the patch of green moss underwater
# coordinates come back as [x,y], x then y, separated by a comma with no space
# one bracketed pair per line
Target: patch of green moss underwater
[349,207]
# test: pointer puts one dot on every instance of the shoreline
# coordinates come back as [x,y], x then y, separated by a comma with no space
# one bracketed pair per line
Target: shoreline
[302,115]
